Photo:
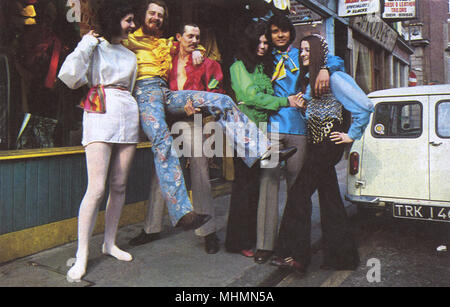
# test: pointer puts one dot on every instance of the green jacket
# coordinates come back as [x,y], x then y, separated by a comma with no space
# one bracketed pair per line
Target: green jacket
[254,93]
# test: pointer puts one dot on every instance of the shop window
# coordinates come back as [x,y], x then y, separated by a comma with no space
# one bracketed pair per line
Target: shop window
[377,70]
[443,119]
[362,66]
[41,111]
[397,120]
[396,73]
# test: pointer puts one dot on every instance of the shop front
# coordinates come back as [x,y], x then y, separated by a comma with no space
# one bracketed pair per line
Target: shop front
[381,57]
[42,165]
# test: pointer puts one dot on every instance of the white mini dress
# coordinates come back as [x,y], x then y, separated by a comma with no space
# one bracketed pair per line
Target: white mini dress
[97,62]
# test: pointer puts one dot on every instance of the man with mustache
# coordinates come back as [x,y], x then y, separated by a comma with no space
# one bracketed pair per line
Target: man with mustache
[154,58]
[184,75]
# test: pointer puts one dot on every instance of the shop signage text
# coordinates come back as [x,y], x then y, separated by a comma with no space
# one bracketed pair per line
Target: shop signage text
[358,7]
[303,14]
[375,29]
[399,9]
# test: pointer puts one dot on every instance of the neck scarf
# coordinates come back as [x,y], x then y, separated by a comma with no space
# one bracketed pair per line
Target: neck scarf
[280,69]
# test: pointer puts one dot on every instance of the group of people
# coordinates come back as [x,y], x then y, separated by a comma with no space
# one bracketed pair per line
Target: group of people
[137,77]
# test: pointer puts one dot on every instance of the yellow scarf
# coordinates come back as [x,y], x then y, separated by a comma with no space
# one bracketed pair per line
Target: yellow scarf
[280,69]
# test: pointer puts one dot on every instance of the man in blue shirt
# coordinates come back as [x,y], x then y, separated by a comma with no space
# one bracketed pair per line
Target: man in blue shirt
[288,123]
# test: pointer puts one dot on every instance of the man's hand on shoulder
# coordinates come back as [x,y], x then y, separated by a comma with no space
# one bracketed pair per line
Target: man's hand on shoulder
[322,82]
[197,57]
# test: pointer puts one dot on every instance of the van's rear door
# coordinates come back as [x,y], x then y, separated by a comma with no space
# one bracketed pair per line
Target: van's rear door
[395,151]
[439,147]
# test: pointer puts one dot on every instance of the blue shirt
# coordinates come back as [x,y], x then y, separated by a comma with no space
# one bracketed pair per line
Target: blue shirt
[352,97]
[291,120]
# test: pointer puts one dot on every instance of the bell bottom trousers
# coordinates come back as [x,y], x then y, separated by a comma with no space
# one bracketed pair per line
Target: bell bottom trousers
[318,173]
[155,100]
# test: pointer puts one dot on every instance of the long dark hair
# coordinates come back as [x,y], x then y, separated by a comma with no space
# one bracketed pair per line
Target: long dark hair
[317,57]
[247,47]
[109,16]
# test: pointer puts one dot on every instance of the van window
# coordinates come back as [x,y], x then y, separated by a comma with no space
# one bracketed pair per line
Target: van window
[443,119]
[397,120]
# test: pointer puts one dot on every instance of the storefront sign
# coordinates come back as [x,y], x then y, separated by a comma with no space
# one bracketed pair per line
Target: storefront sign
[358,7]
[303,14]
[399,9]
[375,29]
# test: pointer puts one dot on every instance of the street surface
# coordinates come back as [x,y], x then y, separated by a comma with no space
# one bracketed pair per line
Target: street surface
[393,252]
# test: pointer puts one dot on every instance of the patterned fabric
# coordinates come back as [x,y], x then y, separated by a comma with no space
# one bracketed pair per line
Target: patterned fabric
[155,100]
[352,98]
[322,116]
[291,120]
[95,100]
[280,68]
[324,46]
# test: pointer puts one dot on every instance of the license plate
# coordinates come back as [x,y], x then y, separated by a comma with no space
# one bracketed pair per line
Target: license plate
[420,212]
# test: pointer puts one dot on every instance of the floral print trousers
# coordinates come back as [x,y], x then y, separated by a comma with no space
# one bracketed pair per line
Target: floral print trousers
[155,100]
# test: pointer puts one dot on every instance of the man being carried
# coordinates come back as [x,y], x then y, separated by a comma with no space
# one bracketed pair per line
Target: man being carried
[154,58]
[184,75]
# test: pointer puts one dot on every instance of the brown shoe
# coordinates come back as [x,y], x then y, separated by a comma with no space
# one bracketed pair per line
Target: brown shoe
[193,220]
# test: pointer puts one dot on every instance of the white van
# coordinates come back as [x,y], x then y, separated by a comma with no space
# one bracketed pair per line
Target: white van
[402,162]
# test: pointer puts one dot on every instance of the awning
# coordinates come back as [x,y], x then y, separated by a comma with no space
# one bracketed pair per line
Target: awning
[281,4]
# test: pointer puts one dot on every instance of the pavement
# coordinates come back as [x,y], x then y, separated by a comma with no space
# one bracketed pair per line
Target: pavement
[177,259]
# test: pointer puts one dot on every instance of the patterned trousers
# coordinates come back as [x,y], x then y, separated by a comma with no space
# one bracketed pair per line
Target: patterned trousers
[155,100]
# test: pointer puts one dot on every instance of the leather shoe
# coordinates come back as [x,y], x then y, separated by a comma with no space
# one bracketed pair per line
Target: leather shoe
[288,263]
[261,256]
[193,220]
[144,238]
[283,154]
[212,243]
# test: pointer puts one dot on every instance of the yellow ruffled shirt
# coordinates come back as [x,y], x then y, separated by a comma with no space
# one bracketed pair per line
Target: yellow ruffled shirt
[153,54]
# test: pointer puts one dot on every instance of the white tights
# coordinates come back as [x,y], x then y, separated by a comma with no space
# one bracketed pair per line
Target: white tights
[99,157]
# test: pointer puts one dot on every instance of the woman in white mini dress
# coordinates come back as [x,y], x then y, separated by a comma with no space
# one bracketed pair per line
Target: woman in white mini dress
[110,124]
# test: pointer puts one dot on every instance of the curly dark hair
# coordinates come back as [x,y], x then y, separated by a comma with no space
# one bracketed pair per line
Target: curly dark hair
[284,23]
[247,47]
[109,16]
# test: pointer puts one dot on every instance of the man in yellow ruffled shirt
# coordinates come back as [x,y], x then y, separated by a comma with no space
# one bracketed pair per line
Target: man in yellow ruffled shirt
[154,57]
